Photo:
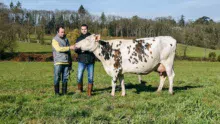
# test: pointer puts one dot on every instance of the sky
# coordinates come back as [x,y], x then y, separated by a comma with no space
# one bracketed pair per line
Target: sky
[191,9]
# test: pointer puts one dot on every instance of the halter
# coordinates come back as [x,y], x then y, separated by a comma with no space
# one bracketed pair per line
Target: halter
[96,46]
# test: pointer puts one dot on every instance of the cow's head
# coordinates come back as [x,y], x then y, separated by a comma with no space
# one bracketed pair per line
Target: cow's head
[89,43]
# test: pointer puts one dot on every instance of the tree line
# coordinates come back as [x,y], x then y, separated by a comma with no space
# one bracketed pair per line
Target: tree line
[18,24]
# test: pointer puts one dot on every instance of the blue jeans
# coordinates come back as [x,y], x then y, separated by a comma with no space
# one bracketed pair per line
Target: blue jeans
[61,71]
[90,70]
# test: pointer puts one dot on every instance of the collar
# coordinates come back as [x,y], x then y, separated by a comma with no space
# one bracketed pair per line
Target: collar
[95,47]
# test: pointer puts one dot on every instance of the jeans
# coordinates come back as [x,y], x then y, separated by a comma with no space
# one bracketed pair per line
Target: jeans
[90,70]
[61,71]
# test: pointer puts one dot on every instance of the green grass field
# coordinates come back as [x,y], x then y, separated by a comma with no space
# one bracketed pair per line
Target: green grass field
[32,47]
[192,51]
[27,96]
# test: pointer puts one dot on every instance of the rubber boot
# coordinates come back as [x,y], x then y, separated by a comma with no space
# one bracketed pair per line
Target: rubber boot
[90,89]
[80,87]
[56,89]
[64,88]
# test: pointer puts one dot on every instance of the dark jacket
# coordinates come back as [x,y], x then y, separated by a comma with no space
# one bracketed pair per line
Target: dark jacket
[86,56]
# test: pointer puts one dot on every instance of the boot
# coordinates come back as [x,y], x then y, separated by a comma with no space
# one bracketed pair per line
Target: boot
[90,89]
[64,88]
[80,87]
[56,89]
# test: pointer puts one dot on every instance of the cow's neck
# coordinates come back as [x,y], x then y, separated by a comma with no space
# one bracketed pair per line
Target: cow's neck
[97,52]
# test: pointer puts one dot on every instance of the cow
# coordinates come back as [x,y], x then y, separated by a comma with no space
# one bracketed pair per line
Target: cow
[139,56]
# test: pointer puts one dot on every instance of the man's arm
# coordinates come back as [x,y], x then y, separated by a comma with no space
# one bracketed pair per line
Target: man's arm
[57,47]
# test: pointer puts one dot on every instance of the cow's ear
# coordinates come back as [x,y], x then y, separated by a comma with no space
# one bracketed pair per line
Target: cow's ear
[97,37]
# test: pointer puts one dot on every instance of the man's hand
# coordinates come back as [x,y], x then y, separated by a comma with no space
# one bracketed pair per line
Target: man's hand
[73,47]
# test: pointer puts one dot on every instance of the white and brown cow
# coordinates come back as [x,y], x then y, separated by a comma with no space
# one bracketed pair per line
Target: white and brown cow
[140,56]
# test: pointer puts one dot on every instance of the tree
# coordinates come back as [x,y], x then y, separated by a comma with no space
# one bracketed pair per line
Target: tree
[82,11]
[40,34]
[134,24]
[188,39]
[83,15]
[18,5]
[75,20]
[40,30]
[103,20]
[7,33]
[72,36]
[105,32]
[11,5]
[204,20]
[60,20]
[182,21]
[50,27]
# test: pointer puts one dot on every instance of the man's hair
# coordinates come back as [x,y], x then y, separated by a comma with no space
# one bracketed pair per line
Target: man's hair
[85,25]
[58,27]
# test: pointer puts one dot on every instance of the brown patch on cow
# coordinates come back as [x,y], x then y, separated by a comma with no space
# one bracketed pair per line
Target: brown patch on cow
[136,61]
[148,46]
[140,49]
[106,50]
[145,60]
[134,41]
[117,59]
[135,54]
[147,56]
[150,52]
[129,49]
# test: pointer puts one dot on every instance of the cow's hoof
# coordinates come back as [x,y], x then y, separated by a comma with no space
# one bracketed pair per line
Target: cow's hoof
[112,95]
[171,93]
[122,94]
[158,91]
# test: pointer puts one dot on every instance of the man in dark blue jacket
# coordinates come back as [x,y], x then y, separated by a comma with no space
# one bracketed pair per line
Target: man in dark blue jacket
[85,59]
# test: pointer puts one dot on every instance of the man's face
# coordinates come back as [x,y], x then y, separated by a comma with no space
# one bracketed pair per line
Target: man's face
[83,30]
[61,32]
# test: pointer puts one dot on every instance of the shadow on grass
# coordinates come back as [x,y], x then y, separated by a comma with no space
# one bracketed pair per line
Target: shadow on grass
[70,93]
[147,88]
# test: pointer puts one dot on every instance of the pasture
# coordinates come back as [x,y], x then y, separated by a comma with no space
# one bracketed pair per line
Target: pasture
[27,96]
[192,51]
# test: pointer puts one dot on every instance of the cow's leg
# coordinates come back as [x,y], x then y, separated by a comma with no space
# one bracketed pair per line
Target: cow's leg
[170,74]
[114,80]
[139,79]
[121,79]
[163,77]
